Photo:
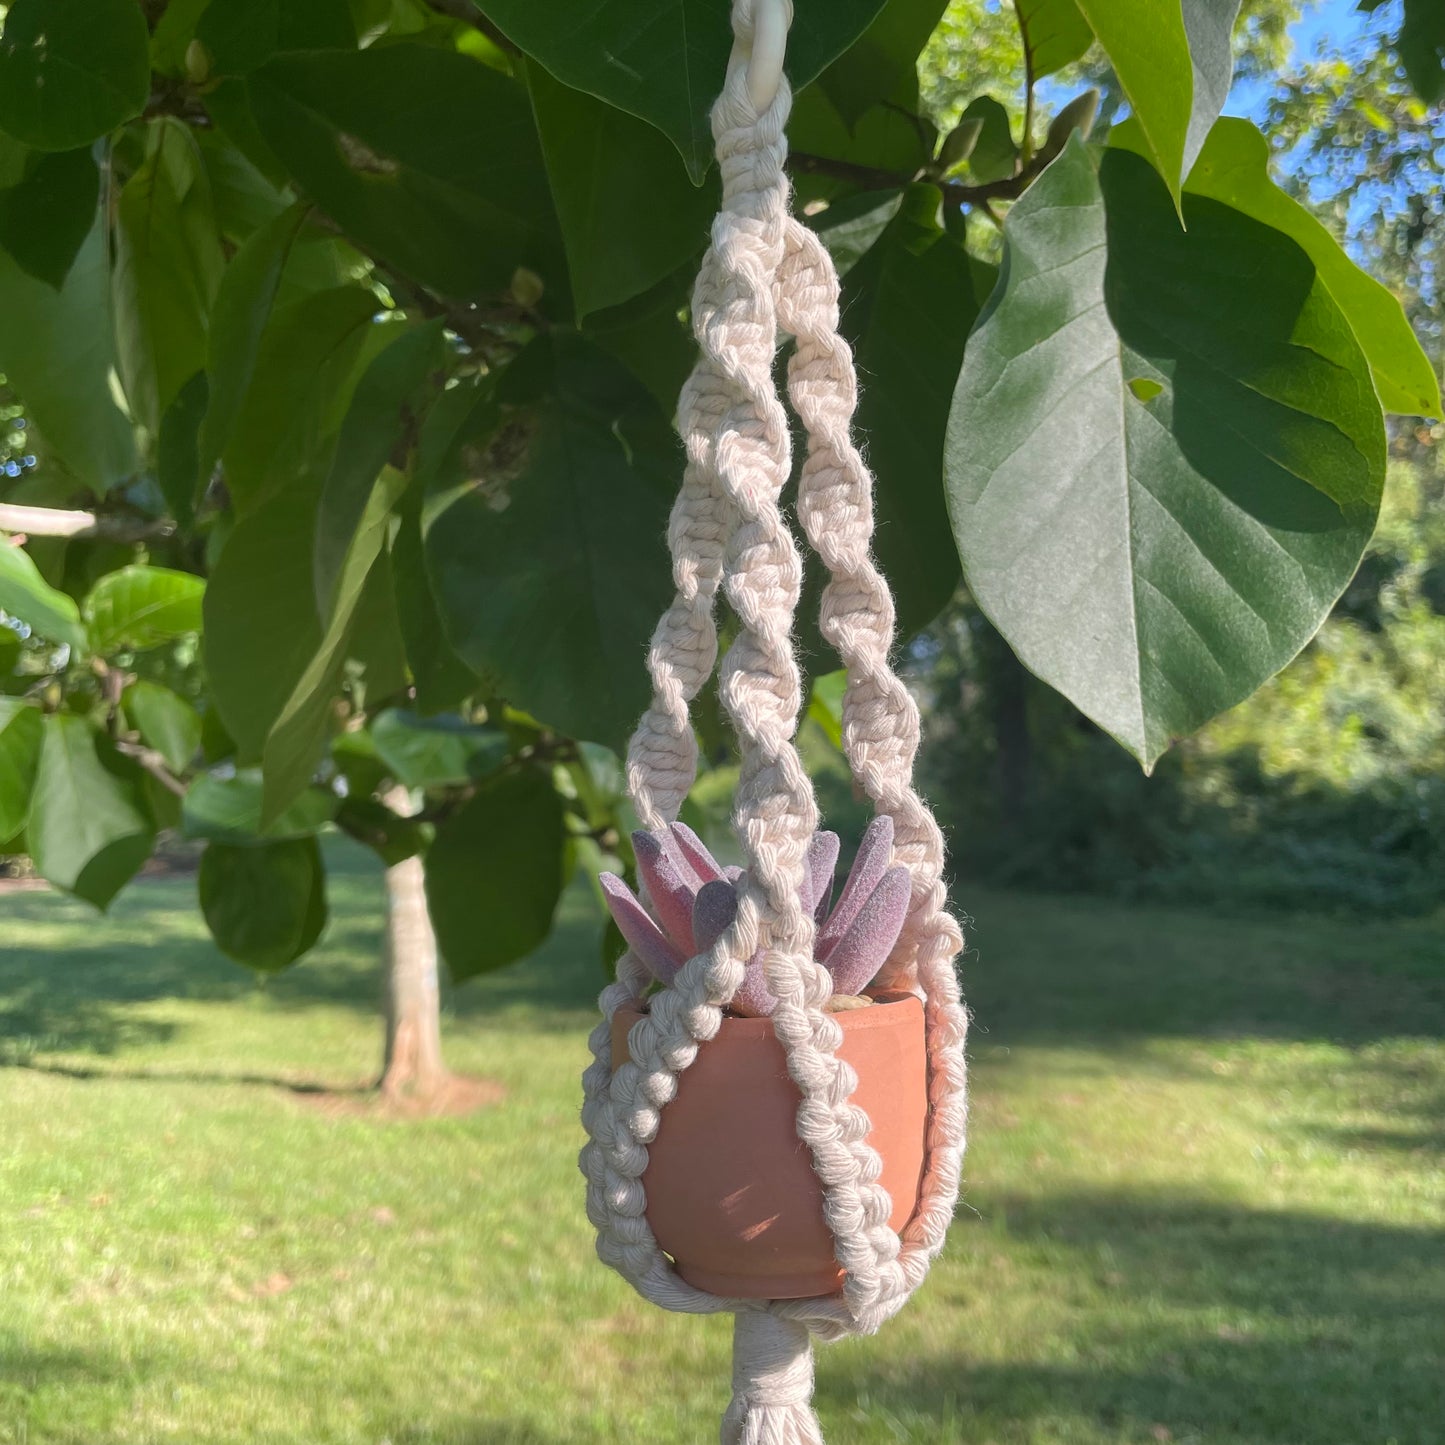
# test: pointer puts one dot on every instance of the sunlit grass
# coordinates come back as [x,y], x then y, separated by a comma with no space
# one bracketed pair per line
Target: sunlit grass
[1206,1199]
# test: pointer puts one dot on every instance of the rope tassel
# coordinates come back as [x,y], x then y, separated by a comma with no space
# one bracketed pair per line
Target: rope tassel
[772,1383]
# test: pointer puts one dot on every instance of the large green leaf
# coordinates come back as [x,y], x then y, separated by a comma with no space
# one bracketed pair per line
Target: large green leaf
[242,35]
[25,594]
[881,66]
[137,607]
[1055,34]
[1210,27]
[265,905]
[69,73]
[449,188]
[168,265]
[165,722]
[274,664]
[228,810]
[665,60]
[1233,168]
[1421,47]
[58,353]
[47,214]
[260,614]
[439,751]
[178,449]
[299,388]
[630,214]
[440,678]
[89,829]
[384,408]
[298,737]
[1148,46]
[1165,456]
[908,307]
[242,310]
[543,532]
[494,873]
[20,733]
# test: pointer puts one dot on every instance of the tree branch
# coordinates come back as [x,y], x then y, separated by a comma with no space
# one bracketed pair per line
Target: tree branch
[154,764]
[1009,188]
[54,522]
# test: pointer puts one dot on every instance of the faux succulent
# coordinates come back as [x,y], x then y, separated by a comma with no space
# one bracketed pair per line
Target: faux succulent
[695,899]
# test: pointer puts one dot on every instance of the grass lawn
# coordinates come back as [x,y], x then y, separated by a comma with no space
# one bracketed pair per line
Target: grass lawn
[1206,1198]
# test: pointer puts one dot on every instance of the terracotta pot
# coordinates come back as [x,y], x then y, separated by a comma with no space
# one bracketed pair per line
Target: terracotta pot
[731,1193]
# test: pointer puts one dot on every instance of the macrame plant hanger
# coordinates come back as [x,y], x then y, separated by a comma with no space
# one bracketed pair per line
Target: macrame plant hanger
[766,274]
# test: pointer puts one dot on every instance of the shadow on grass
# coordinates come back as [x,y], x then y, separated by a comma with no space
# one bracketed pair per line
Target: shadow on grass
[1202,1322]
[69,978]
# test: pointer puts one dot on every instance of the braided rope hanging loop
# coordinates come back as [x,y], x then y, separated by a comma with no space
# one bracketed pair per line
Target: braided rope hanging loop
[765,273]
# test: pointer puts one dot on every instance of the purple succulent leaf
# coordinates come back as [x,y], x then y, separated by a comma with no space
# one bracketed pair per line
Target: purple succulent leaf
[643,936]
[671,886]
[754,999]
[866,943]
[695,851]
[874,854]
[713,913]
[732,872]
[818,875]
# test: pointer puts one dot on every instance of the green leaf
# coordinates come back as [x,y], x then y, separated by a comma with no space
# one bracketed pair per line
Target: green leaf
[1156,560]
[383,410]
[825,705]
[436,752]
[881,66]
[242,35]
[908,307]
[265,905]
[440,678]
[242,309]
[299,734]
[1209,25]
[178,449]
[165,722]
[26,595]
[136,607]
[1055,34]
[849,228]
[260,615]
[228,810]
[994,154]
[630,214]
[1148,46]
[57,352]
[299,388]
[664,60]
[1233,168]
[543,532]
[71,73]
[89,829]
[393,839]
[20,733]
[168,266]
[651,337]
[494,873]
[46,216]
[448,188]
[1421,48]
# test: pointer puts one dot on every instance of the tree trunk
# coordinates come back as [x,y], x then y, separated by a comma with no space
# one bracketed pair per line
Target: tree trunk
[413,1067]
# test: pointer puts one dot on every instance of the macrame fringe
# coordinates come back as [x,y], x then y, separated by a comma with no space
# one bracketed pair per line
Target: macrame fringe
[772,1400]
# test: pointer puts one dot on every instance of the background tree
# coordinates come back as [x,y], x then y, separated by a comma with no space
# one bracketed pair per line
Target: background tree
[372,313]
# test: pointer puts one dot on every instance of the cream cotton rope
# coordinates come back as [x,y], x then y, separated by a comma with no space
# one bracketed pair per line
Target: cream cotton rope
[765,273]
